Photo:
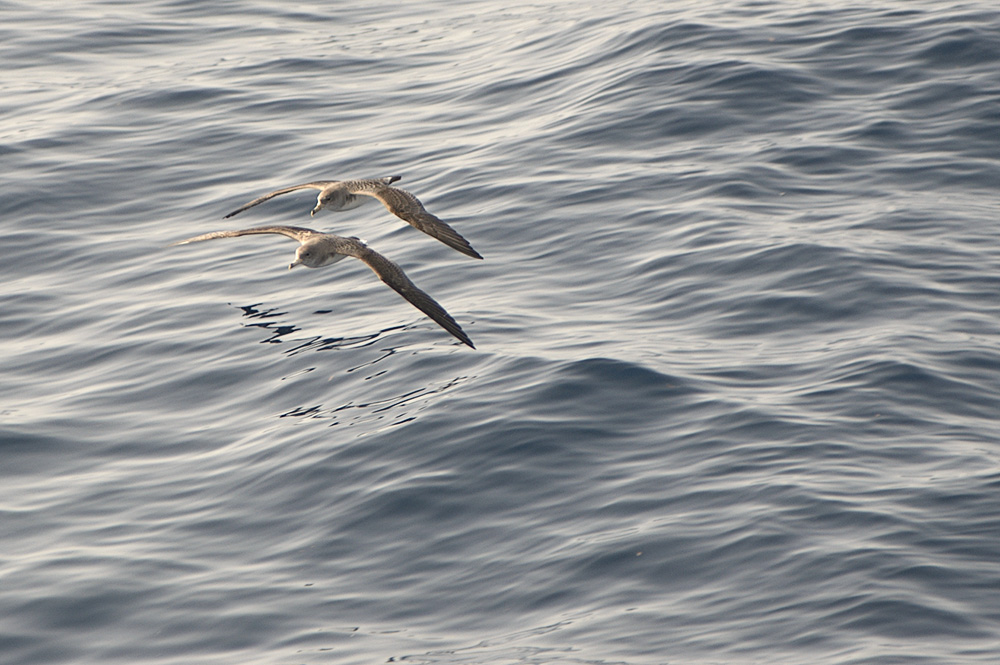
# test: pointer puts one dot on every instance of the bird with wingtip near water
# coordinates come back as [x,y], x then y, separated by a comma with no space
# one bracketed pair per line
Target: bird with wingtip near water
[337,195]
[318,249]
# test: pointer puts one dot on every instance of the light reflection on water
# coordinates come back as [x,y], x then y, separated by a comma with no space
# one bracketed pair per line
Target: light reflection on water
[737,313]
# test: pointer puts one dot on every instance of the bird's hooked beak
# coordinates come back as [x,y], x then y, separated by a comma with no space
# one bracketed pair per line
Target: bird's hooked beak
[294,263]
[319,206]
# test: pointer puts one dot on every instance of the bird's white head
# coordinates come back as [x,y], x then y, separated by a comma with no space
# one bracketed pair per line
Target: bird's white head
[331,197]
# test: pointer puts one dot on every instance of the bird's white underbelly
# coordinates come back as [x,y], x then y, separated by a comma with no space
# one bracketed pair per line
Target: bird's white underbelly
[353,202]
[331,259]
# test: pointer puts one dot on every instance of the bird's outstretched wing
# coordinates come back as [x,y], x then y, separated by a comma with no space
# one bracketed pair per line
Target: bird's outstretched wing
[408,208]
[319,184]
[393,275]
[294,232]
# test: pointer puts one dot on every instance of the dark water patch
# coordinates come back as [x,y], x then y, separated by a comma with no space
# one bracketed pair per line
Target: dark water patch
[164,99]
[23,451]
[824,160]
[904,619]
[272,72]
[666,37]
[747,89]
[883,133]
[919,387]
[962,47]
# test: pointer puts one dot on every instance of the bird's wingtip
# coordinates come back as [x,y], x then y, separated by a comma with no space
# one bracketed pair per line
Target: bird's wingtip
[468,250]
[462,337]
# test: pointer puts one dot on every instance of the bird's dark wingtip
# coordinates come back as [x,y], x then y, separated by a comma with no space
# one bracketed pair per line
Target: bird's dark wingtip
[451,326]
[465,248]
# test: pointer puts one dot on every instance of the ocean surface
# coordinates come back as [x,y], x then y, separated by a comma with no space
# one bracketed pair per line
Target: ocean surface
[735,392]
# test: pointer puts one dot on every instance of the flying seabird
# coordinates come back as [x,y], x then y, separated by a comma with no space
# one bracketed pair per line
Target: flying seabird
[336,195]
[321,249]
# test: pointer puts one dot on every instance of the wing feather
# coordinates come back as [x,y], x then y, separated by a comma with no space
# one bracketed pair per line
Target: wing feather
[395,278]
[294,232]
[319,184]
[408,208]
